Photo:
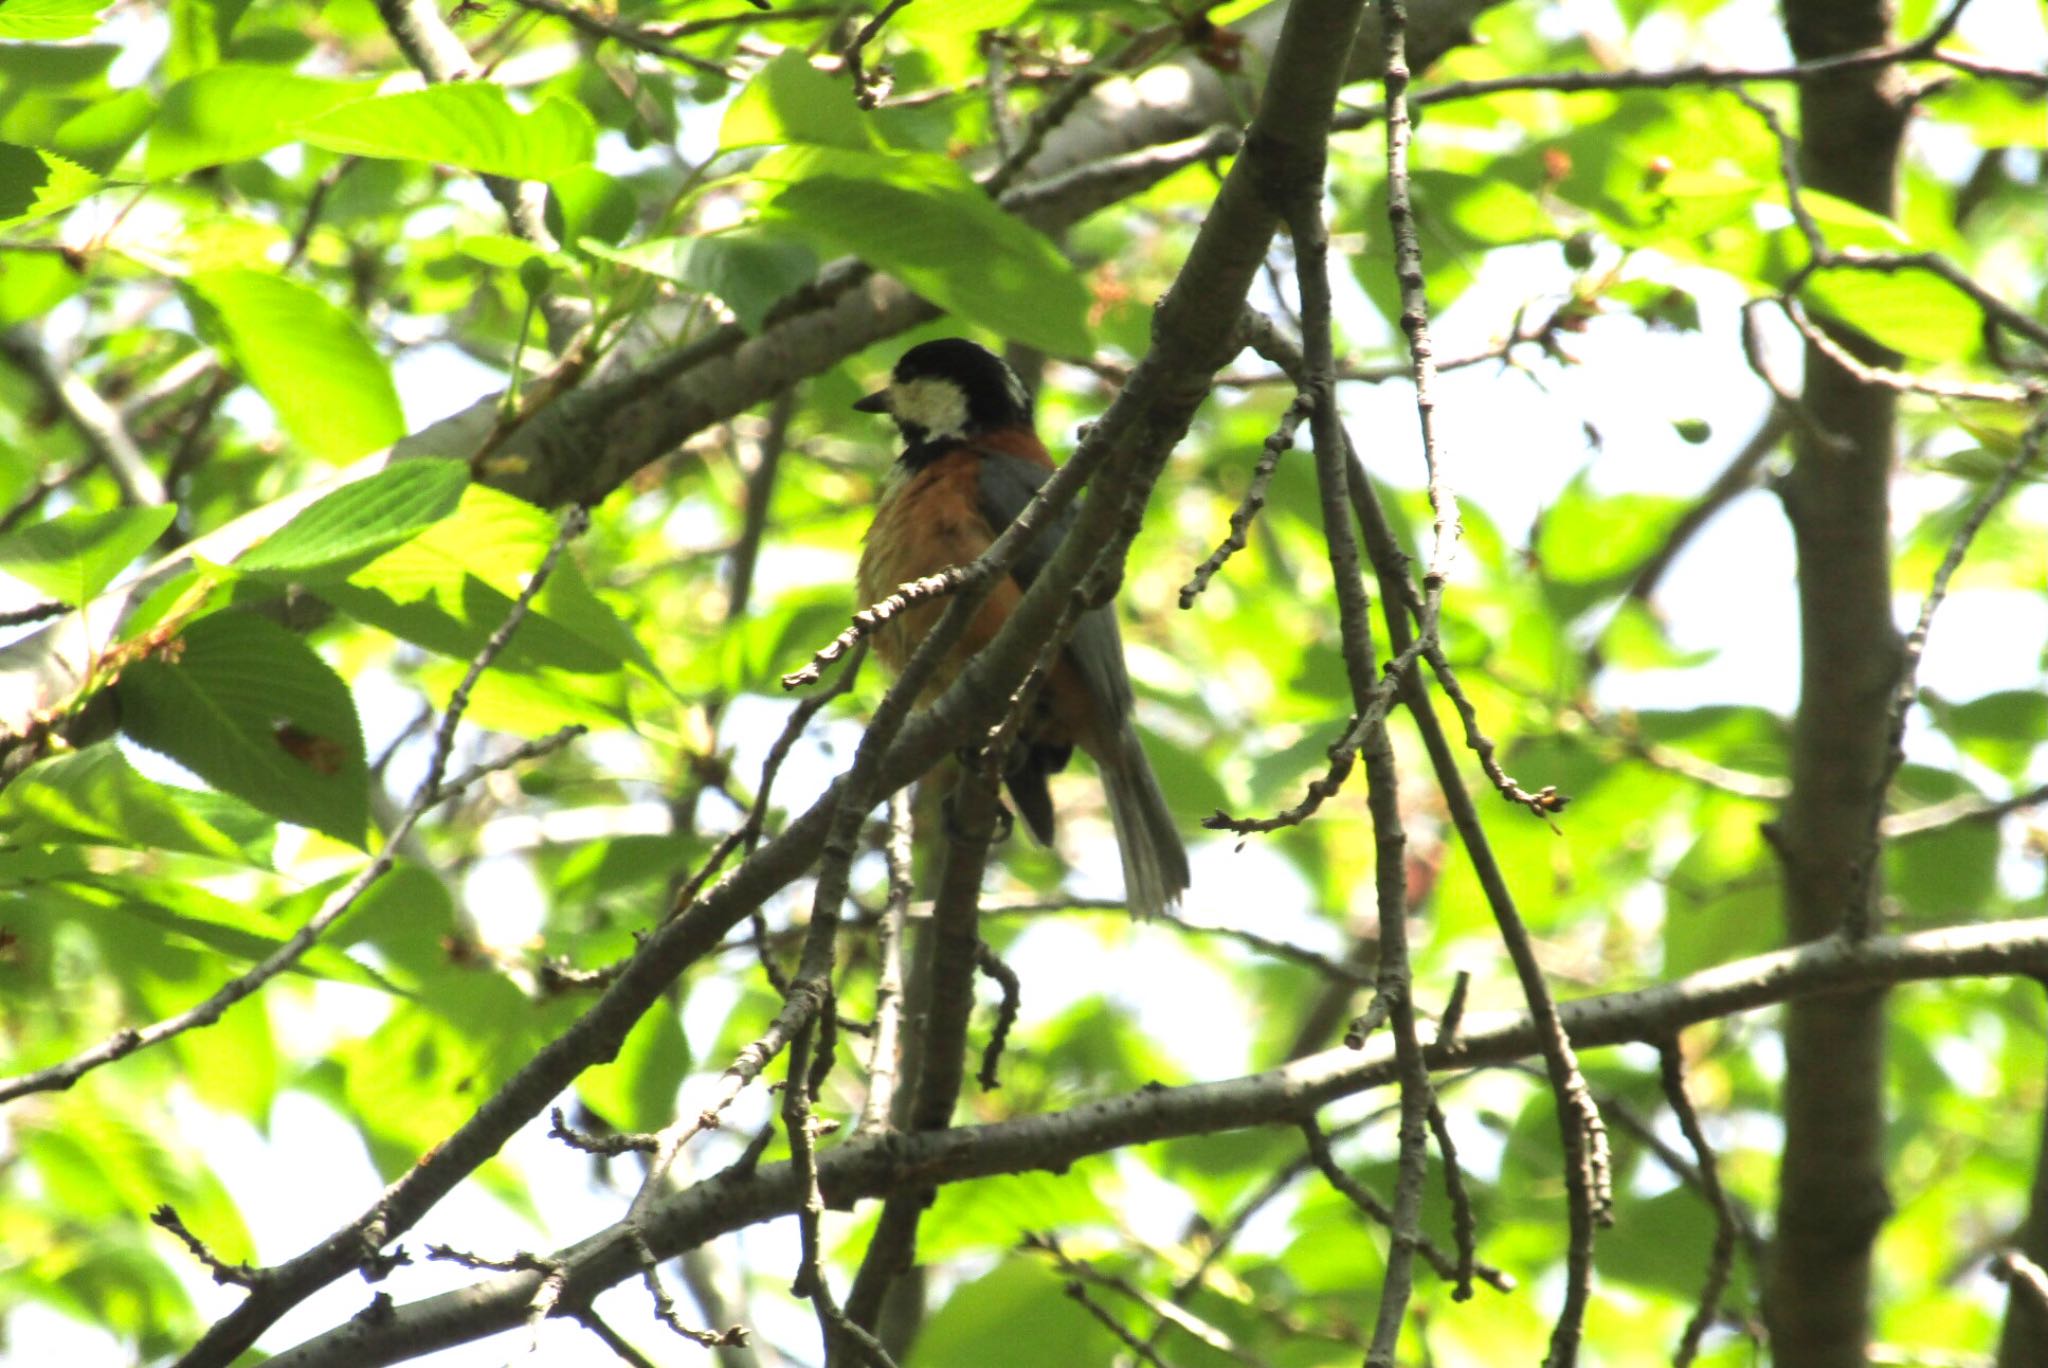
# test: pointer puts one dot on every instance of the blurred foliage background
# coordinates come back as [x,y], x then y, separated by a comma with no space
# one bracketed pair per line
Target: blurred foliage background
[242,248]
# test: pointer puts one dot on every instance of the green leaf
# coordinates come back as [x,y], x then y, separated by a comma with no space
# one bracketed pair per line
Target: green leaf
[470,124]
[233,112]
[185,912]
[930,21]
[75,555]
[96,797]
[637,1090]
[750,270]
[922,219]
[1588,537]
[450,587]
[2000,729]
[586,202]
[791,101]
[1911,312]
[98,135]
[252,710]
[344,531]
[980,1323]
[46,20]
[310,360]
[34,184]
[32,283]
[498,249]
[1635,639]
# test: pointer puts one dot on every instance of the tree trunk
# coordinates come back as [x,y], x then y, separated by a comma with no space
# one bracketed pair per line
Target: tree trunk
[1831,1195]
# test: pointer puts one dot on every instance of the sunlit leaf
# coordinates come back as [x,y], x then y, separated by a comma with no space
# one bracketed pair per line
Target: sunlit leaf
[469,124]
[75,555]
[358,522]
[235,111]
[310,360]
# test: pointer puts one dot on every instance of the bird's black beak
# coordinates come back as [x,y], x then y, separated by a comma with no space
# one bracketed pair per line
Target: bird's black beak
[877,402]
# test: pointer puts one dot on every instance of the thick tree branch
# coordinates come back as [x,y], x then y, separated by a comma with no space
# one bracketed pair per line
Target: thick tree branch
[880,1166]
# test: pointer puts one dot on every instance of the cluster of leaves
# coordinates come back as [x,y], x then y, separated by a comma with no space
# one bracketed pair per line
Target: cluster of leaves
[259,213]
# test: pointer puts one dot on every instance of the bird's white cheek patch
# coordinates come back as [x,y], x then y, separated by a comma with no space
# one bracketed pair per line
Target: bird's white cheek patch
[935,405]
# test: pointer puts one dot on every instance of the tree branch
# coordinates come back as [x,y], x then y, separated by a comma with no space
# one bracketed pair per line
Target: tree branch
[884,1165]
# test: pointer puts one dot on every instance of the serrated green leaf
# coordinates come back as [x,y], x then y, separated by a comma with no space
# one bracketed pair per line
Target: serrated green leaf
[22,173]
[791,101]
[35,183]
[347,529]
[234,112]
[922,219]
[97,136]
[252,710]
[469,124]
[310,360]
[75,555]
[49,20]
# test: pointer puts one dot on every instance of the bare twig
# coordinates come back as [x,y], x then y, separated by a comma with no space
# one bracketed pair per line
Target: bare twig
[885,1060]
[991,964]
[1856,921]
[864,89]
[1671,1061]
[1276,445]
[1925,48]
[869,620]
[105,433]
[231,1275]
[1964,808]
[639,39]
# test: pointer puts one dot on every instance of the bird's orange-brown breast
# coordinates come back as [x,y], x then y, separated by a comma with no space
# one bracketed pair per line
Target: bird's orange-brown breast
[928,521]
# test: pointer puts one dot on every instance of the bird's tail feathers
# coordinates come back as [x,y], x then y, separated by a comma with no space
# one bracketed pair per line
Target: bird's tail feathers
[1155,862]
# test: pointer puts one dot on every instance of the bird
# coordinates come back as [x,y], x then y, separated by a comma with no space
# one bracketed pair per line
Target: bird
[971,460]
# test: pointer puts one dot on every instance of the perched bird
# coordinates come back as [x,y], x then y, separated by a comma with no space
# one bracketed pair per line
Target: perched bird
[971,461]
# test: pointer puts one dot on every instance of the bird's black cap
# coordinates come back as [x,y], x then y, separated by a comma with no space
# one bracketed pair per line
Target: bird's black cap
[991,394]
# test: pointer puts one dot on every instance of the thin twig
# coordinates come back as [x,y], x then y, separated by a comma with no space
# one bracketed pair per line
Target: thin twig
[1248,508]
[106,434]
[627,35]
[885,1060]
[865,90]
[1671,1071]
[1856,921]
[1966,807]
[228,1275]
[1925,48]
[991,964]
[870,619]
